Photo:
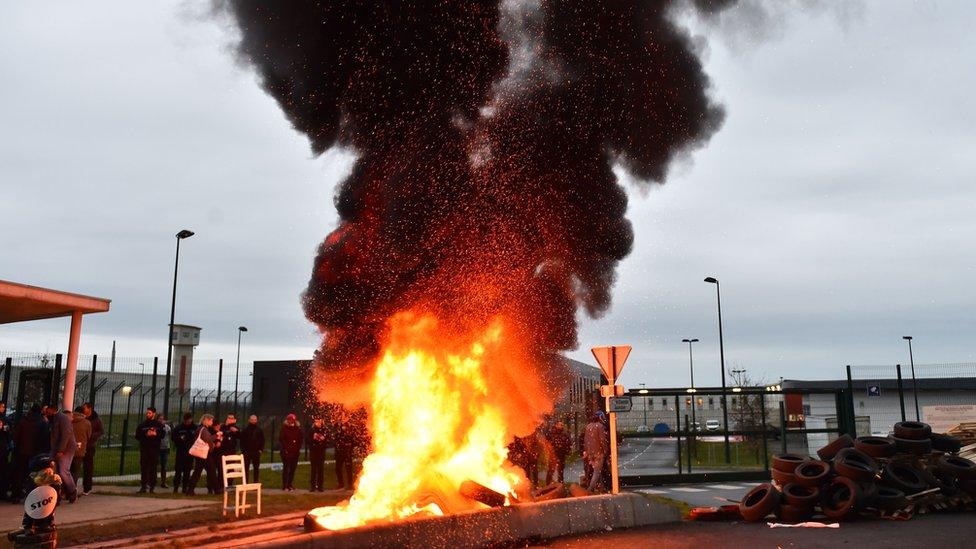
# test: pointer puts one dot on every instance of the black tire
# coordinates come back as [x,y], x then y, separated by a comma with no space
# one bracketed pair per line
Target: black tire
[855,465]
[968,486]
[890,499]
[936,478]
[799,495]
[781,478]
[840,498]
[812,472]
[903,477]
[792,514]
[913,430]
[876,447]
[867,495]
[787,462]
[829,451]
[917,447]
[759,502]
[957,467]
[945,443]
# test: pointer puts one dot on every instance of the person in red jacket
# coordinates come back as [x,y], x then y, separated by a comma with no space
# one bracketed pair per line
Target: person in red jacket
[290,440]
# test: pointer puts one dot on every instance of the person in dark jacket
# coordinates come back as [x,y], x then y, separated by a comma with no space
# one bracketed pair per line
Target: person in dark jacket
[199,464]
[183,436]
[215,482]
[252,445]
[82,428]
[5,441]
[558,446]
[345,445]
[230,434]
[63,448]
[149,433]
[25,437]
[317,440]
[97,430]
[290,440]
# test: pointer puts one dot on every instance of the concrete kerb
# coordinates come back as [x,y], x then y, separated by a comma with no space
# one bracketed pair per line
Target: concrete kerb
[497,526]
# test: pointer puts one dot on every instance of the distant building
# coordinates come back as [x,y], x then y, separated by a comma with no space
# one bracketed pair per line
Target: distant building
[184,338]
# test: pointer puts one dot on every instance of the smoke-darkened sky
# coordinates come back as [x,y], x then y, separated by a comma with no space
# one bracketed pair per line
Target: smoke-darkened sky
[836,204]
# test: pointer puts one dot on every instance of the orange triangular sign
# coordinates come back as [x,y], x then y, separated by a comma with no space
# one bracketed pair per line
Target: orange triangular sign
[611,359]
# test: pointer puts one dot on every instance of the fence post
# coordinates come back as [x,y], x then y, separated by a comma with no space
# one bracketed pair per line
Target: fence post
[7,367]
[901,392]
[91,387]
[55,393]
[762,411]
[688,440]
[782,424]
[677,429]
[220,374]
[155,371]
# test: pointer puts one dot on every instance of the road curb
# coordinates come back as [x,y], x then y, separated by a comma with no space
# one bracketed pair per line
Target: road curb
[491,527]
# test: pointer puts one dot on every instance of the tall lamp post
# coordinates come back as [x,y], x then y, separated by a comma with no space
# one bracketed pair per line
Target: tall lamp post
[237,374]
[721,352]
[911,358]
[691,363]
[172,319]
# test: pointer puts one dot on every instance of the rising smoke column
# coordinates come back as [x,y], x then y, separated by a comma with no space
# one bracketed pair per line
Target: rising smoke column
[479,188]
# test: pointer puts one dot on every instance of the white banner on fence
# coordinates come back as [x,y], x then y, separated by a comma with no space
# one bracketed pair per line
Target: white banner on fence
[944,417]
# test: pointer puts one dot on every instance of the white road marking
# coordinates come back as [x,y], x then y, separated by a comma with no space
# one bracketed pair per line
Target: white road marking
[724,487]
[686,489]
[649,491]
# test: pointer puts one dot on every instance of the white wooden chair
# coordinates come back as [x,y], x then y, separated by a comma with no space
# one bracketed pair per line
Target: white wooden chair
[234,469]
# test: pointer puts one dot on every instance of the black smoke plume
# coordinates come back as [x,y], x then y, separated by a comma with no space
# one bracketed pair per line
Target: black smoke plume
[482,186]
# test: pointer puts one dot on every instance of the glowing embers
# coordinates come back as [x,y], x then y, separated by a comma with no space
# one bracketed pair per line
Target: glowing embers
[434,424]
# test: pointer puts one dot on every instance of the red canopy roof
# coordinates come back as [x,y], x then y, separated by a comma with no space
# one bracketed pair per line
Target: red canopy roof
[20,302]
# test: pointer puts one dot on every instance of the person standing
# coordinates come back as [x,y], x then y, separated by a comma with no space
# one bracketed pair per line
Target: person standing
[559,445]
[164,441]
[88,465]
[204,433]
[345,444]
[316,440]
[25,437]
[82,428]
[215,481]
[183,436]
[63,447]
[231,434]
[252,446]
[5,441]
[595,449]
[149,433]
[290,440]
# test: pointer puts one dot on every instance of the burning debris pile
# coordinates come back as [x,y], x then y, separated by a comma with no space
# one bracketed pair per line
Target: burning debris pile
[482,210]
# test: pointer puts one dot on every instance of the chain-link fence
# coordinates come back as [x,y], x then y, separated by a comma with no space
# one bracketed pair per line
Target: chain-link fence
[943,395]
[120,389]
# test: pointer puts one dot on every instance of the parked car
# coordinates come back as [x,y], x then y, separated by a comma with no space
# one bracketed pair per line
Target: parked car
[712,424]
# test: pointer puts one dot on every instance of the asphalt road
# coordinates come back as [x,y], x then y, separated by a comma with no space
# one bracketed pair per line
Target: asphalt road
[937,530]
[648,456]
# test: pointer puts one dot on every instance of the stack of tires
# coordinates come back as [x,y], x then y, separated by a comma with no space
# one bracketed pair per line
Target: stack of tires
[868,473]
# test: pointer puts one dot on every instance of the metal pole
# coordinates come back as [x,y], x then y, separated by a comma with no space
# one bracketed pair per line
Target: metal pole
[91,389]
[7,369]
[901,392]
[782,424]
[55,399]
[172,320]
[689,439]
[614,474]
[153,385]
[721,351]
[237,372]
[762,410]
[911,357]
[677,429]
[220,375]
[111,417]
[125,433]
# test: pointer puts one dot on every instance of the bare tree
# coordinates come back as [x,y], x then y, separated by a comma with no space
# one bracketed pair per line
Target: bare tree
[748,412]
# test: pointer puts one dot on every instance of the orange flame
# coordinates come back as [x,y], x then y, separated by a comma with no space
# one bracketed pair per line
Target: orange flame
[435,422]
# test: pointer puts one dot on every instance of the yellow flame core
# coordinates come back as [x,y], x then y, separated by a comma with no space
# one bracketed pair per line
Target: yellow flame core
[434,425]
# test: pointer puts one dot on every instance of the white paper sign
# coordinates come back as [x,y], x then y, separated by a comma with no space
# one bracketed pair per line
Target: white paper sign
[40,502]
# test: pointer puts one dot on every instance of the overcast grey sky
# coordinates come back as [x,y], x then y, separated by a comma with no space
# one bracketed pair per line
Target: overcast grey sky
[837,205]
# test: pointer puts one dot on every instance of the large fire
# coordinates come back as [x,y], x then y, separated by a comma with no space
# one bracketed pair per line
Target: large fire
[437,418]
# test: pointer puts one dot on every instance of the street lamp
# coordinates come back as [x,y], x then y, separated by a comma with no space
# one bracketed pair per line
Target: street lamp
[911,358]
[172,318]
[237,374]
[691,362]
[721,352]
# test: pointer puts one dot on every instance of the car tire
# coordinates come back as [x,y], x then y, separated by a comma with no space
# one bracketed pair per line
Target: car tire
[968,486]
[890,499]
[945,443]
[867,495]
[781,478]
[937,478]
[759,502]
[840,498]
[812,472]
[876,447]
[787,462]
[793,514]
[913,430]
[957,467]
[903,477]
[829,451]
[799,495]
[914,446]
[855,465]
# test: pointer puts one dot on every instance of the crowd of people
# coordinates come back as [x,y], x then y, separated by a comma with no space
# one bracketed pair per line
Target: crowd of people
[551,444]
[71,439]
